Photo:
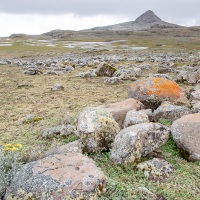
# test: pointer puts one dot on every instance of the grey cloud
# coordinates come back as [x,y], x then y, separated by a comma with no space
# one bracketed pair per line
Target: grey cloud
[174,11]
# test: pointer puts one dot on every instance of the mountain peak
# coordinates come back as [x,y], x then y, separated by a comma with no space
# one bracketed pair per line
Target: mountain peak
[148,17]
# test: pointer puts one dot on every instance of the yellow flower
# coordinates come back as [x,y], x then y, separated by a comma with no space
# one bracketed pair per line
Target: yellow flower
[8,145]
[18,145]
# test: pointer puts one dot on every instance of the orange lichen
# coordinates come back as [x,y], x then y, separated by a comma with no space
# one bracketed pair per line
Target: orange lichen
[165,87]
[133,85]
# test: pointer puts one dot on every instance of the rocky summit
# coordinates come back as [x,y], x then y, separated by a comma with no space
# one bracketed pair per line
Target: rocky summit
[146,21]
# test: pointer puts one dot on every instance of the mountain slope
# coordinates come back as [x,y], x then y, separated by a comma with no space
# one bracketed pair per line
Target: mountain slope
[145,21]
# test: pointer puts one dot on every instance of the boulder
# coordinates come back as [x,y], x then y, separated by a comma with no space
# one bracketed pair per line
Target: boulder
[96,129]
[131,72]
[144,193]
[62,176]
[60,131]
[169,111]
[90,73]
[156,169]
[186,134]
[149,113]
[120,109]
[195,98]
[190,75]
[153,91]
[32,71]
[137,141]
[135,117]
[105,70]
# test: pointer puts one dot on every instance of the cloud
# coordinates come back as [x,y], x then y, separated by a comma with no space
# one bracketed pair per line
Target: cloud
[38,24]
[38,16]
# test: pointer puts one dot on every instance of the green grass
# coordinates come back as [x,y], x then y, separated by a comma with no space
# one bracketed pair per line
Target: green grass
[60,107]
[124,180]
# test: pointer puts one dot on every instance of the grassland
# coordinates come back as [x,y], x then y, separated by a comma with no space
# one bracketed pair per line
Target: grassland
[60,107]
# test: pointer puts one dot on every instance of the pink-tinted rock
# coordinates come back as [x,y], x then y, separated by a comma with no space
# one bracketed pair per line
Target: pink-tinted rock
[120,109]
[186,134]
[62,176]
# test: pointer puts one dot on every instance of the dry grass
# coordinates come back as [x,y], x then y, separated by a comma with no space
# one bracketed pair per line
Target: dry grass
[57,107]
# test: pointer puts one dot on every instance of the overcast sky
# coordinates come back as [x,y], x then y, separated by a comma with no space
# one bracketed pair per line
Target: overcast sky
[39,16]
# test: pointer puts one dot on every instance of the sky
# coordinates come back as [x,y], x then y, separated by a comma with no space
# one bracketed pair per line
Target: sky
[40,16]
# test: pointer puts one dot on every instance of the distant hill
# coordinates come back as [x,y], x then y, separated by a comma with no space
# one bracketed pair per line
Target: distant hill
[146,25]
[145,21]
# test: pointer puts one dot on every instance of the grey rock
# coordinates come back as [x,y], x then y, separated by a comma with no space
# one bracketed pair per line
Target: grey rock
[32,71]
[137,141]
[112,80]
[105,70]
[68,69]
[145,193]
[60,131]
[169,111]
[160,76]
[90,73]
[135,117]
[149,113]
[96,129]
[57,87]
[156,169]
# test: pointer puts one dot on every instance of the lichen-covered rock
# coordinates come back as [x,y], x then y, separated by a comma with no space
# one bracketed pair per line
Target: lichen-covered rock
[30,119]
[186,134]
[153,91]
[144,193]
[120,109]
[195,98]
[105,70]
[135,117]
[131,72]
[58,177]
[189,76]
[90,73]
[96,129]
[170,111]
[156,169]
[60,131]
[137,141]
[112,80]
[160,76]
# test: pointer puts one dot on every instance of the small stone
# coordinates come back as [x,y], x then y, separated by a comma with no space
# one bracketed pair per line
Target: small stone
[156,169]
[57,87]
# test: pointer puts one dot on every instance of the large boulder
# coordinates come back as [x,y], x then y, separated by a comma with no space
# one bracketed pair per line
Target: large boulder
[135,117]
[186,134]
[120,109]
[96,129]
[62,176]
[153,91]
[137,141]
[170,111]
